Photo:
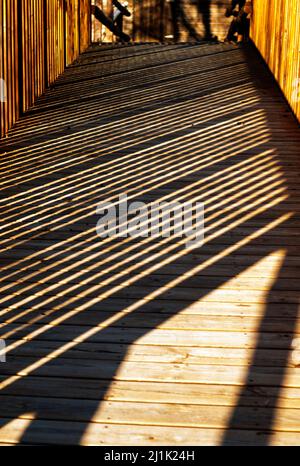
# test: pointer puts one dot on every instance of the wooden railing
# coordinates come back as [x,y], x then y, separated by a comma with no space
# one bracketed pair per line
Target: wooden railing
[276,34]
[38,39]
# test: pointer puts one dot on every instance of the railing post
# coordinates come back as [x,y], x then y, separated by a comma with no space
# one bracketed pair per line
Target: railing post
[79,24]
[64,31]
[20,55]
[46,77]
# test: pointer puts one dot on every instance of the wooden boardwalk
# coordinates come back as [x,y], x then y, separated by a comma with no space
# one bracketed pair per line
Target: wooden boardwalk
[143,341]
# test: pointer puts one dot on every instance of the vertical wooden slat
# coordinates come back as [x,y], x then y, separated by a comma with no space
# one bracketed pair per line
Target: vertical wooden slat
[2,126]
[84,24]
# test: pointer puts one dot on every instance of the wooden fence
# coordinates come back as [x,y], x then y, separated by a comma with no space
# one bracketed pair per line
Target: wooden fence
[276,34]
[38,39]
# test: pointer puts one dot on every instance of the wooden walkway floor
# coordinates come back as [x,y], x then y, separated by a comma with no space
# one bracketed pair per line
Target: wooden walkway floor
[143,341]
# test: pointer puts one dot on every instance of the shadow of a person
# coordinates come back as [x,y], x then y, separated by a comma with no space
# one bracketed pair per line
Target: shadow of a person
[180,17]
[204,8]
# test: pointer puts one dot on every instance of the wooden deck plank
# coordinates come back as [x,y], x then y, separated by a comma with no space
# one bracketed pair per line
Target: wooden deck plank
[143,353]
[151,372]
[195,338]
[151,320]
[66,433]
[171,307]
[141,341]
[143,391]
[146,414]
[181,293]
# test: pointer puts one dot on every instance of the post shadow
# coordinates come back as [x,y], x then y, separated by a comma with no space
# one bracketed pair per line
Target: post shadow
[253,383]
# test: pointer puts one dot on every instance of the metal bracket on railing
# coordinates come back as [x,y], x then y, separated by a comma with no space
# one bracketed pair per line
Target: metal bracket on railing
[3,91]
[119,11]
